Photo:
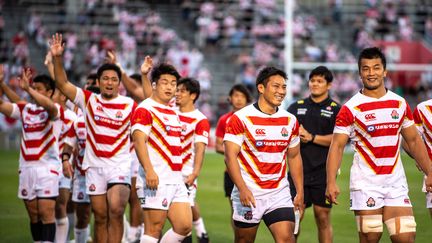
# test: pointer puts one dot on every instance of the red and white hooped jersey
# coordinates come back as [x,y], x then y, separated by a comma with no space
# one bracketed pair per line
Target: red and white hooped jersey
[423,120]
[76,138]
[374,127]
[162,126]
[195,129]
[39,143]
[68,121]
[264,140]
[108,125]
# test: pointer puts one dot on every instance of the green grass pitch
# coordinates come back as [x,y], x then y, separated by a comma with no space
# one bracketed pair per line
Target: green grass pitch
[14,224]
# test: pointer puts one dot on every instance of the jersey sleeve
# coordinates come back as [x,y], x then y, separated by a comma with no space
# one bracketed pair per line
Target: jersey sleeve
[202,130]
[234,131]
[142,120]
[17,110]
[220,127]
[71,136]
[344,121]
[418,120]
[295,138]
[82,97]
[408,117]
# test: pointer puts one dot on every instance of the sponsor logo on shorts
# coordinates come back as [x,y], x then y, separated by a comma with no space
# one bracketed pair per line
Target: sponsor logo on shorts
[142,200]
[248,215]
[92,188]
[47,192]
[205,134]
[24,192]
[406,201]
[284,132]
[80,195]
[121,178]
[395,115]
[165,202]
[370,202]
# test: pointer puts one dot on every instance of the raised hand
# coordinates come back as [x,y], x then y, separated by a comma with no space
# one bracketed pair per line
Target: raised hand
[57,45]
[24,80]
[111,57]
[146,65]
[48,59]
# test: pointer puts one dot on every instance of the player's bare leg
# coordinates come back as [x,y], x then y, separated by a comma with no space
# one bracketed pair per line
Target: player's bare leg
[83,211]
[135,212]
[180,217]
[62,221]
[322,219]
[368,237]
[117,197]
[154,220]
[283,231]
[402,221]
[100,210]
[245,235]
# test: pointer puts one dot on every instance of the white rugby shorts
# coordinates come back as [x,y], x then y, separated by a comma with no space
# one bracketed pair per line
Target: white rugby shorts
[40,181]
[79,194]
[371,198]
[99,178]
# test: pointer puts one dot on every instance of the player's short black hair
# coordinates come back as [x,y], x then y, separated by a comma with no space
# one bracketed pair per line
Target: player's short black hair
[161,69]
[266,73]
[323,72]
[242,89]
[46,80]
[93,89]
[192,85]
[371,53]
[108,66]
[136,77]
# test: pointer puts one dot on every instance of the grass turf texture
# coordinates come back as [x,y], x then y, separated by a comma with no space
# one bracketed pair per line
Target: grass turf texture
[14,224]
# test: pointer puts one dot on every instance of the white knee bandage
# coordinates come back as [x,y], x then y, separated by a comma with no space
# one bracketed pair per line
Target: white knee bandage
[369,223]
[401,224]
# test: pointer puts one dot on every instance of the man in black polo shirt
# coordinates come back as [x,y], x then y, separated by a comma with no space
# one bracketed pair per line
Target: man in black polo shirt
[316,115]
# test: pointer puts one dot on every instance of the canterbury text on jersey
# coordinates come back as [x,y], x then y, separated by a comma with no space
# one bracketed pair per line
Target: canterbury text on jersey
[195,129]
[162,126]
[39,142]
[374,127]
[264,140]
[108,129]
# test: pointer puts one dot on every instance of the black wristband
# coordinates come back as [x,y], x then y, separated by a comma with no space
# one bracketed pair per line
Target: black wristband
[65,157]
[313,138]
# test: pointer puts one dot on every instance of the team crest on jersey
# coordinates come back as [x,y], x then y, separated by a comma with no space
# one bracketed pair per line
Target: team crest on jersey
[284,132]
[119,115]
[406,201]
[370,202]
[92,188]
[248,215]
[328,108]
[24,192]
[395,115]
[165,202]
[42,116]
[80,195]
[259,143]
[260,132]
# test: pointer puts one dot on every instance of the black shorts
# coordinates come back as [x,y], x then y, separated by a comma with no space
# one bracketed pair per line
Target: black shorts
[314,189]
[228,184]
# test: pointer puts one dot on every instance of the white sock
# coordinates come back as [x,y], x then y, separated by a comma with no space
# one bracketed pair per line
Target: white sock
[62,226]
[125,228]
[170,236]
[199,227]
[81,235]
[89,233]
[134,233]
[148,239]
[71,218]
